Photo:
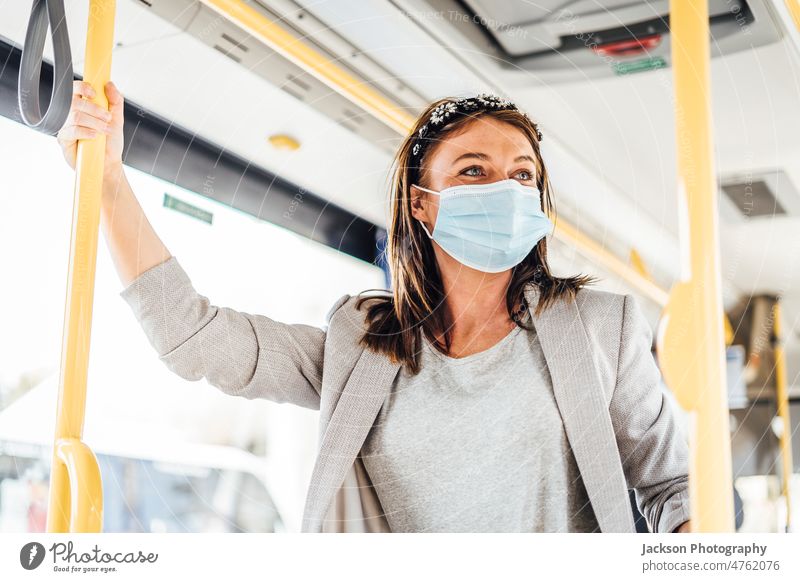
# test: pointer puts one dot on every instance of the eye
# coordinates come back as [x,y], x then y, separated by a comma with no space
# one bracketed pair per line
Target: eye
[524,175]
[467,171]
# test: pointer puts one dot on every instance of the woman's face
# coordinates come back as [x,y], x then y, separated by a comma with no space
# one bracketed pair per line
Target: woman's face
[487,150]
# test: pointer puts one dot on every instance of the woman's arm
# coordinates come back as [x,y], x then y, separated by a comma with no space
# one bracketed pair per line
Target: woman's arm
[653,449]
[242,354]
[134,245]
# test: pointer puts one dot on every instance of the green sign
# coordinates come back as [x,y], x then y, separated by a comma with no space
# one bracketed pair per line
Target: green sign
[647,64]
[188,209]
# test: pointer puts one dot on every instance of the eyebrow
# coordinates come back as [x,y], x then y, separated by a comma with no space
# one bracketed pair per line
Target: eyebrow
[482,156]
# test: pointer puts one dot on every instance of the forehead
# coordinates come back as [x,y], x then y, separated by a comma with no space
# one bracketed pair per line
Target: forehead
[489,135]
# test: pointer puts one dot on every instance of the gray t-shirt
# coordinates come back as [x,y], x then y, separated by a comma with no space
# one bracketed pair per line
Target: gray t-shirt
[477,444]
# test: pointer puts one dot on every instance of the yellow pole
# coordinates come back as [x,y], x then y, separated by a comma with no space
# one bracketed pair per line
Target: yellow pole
[793,6]
[691,340]
[74,465]
[782,396]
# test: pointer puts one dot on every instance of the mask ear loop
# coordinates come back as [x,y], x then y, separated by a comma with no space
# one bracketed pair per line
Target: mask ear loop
[422,224]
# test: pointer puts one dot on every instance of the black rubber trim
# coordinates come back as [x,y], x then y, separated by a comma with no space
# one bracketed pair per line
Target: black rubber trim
[162,149]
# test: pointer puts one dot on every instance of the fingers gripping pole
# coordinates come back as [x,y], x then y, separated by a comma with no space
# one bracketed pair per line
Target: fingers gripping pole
[74,465]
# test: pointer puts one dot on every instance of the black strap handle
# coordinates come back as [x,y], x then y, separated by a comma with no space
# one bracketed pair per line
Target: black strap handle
[44,12]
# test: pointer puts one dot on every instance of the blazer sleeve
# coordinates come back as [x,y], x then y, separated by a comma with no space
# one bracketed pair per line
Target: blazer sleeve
[242,354]
[653,449]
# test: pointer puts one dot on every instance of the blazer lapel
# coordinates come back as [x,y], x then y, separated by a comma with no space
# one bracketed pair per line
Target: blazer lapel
[353,417]
[584,411]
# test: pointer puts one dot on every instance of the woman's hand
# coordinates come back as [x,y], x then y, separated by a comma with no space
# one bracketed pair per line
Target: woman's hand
[685,527]
[87,120]
[132,241]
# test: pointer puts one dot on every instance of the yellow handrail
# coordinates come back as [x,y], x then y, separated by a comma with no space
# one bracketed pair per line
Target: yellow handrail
[82,501]
[300,53]
[782,397]
[75,488]
[628,272]
[793,6]
[691,342]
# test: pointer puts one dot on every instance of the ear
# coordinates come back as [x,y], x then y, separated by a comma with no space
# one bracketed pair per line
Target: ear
[418,198]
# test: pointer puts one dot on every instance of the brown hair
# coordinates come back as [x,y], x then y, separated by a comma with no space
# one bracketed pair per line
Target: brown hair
[395,323]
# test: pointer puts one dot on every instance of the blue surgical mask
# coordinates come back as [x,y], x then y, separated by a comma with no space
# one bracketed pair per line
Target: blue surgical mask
[489,227]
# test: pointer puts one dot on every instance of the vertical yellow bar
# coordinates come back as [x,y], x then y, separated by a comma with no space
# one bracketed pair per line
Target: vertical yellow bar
[782,397]
[80,282]
[692,346]
[793,6]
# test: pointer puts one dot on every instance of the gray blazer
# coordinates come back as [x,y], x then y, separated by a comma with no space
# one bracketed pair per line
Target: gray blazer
[621,428]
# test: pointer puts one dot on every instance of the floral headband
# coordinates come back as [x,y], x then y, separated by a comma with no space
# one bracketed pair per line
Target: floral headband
[443,113]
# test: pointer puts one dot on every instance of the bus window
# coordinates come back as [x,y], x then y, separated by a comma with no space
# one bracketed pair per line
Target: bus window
[235,260]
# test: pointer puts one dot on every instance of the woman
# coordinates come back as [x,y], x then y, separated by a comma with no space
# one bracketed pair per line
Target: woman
[481,394]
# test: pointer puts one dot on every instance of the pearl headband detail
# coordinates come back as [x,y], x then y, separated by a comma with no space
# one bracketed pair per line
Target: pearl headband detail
[444,113]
